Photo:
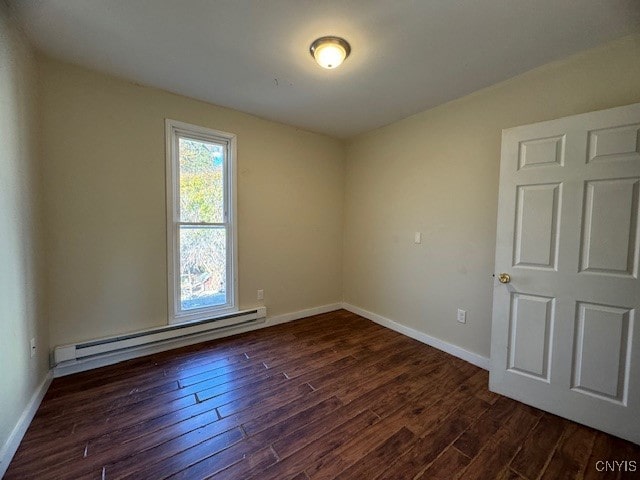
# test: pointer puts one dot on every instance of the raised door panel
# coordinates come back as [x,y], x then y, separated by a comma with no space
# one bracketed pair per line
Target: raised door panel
[609,230]
[530,333]
[602,351]
[541,152]
[618,143]
[536,229]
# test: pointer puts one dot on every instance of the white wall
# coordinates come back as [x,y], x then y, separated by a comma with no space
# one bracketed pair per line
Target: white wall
[437,172]
[104,197]
[21,313]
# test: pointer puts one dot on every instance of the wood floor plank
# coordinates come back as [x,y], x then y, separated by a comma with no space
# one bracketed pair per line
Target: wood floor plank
[329,396]
[623,459]
[290,464]
[144,377]
[569,461]
[135,385]
[221,375]
[472,440]
[85,427]
[72,446]
[426,449]
[255,462]
[283,391]
[173,457]
[538,446]
[169,440]
[509,474]
[500,448]
[379,457]
[316,413]
[298,440]
[356,448]
[300,476]
[448,466]
[427,412]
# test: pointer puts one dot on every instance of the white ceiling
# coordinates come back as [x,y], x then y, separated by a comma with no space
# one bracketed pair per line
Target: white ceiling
[252,55]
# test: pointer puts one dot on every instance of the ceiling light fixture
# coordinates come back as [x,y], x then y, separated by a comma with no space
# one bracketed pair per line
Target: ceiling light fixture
[330,52]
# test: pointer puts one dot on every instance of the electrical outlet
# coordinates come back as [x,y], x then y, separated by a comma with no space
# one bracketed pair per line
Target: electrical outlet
[462,316]
[32,345]
[260,294]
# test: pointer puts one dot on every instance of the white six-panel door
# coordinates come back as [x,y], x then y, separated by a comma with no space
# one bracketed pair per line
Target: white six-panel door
[565,336]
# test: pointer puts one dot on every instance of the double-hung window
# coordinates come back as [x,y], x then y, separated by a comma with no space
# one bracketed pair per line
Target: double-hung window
[201,235]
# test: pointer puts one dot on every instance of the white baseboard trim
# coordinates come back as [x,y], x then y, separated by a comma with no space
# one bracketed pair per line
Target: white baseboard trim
[10,447]
[81,365]
[473,358]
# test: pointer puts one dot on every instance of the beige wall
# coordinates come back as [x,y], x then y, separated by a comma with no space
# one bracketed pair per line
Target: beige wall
[315,222]
[437,172]
[21,300]
[104,192]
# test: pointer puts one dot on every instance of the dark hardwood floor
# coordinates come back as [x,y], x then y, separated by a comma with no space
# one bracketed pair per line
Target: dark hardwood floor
[330,396]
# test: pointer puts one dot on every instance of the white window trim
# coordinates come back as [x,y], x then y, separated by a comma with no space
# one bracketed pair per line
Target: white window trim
[173,129]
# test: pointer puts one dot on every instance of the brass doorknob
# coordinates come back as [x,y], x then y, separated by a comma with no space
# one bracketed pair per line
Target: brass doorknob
[504,278]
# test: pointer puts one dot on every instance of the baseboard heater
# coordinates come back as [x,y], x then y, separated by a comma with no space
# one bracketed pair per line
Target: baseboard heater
[94,348]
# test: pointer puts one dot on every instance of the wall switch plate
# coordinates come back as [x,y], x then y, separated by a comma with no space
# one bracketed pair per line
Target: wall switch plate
[417,238]
[462,316]
[32,347]
[260,294]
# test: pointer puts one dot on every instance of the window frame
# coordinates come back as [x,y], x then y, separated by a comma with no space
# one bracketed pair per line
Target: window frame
[174,130]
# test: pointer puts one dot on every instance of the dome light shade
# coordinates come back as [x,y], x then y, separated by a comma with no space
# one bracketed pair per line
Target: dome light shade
[330,52]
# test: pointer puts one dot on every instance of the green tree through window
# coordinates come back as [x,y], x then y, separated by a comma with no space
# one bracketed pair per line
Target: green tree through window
[202,249]
[201,243]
